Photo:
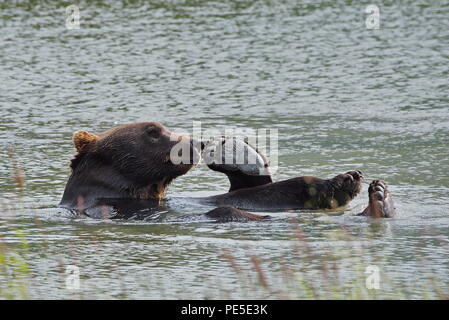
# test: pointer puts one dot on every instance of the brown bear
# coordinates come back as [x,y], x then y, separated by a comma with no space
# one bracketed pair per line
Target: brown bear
[252,188]
[130,161]
[127,169]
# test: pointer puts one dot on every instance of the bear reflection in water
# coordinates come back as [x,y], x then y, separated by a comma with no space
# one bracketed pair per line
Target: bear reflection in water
[124,172]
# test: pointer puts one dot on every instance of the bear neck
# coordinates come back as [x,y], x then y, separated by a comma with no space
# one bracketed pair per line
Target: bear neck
[240,180]
[92,182]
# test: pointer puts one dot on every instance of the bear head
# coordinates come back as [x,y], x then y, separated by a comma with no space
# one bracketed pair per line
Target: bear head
[243,164]
[132,161]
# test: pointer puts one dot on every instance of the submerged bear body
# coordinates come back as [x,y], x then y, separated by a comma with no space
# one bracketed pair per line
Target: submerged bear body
[293,194]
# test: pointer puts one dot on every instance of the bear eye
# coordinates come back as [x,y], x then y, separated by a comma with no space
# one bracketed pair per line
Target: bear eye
[153,132]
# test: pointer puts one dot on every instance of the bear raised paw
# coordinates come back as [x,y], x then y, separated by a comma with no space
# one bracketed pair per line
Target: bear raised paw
[380,204]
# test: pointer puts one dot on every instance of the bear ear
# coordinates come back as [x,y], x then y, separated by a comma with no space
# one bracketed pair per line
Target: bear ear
[83,138]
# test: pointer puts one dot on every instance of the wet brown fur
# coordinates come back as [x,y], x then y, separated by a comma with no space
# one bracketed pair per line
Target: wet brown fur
[127,162]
